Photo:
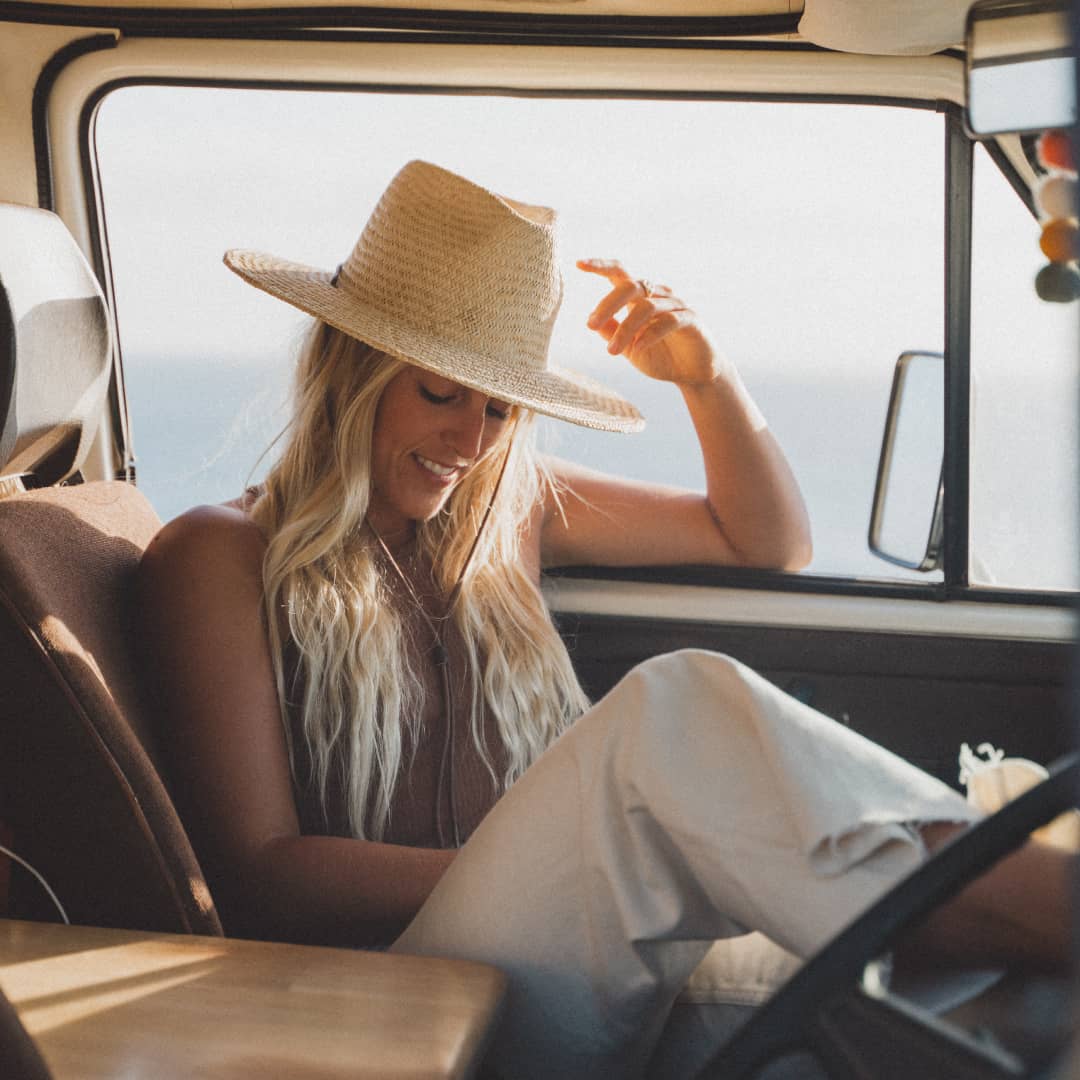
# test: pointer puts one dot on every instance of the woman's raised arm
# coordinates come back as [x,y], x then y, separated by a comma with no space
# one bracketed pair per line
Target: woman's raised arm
[752,513]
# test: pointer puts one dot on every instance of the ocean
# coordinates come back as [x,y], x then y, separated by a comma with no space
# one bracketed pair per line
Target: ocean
[193,446]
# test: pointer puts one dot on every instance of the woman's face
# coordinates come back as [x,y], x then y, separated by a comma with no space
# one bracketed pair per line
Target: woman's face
[429,431]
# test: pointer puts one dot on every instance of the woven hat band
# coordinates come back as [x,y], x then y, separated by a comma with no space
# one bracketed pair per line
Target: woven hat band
[461,265]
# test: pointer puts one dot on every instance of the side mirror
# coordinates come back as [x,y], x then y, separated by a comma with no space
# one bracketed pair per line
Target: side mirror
[906,519]
[1020,67]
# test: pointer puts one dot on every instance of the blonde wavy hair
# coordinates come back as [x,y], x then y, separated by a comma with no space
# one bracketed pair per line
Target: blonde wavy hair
[358,696]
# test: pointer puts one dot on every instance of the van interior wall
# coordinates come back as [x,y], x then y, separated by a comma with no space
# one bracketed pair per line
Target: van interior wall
[25,49]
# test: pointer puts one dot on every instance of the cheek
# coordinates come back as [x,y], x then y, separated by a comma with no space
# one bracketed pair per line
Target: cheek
[385,458]
[493,437]
[390,434]
[379,457]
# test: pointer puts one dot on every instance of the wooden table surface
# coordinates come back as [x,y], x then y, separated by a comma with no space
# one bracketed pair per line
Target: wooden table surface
[128,1005]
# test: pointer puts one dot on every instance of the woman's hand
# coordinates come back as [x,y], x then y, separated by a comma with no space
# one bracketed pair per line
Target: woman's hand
[659,334]
[752,513]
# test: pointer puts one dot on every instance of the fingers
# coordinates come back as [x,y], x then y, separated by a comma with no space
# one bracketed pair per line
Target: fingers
[618,275]
[612,269]
[649,307]
[624,293]
[652,288]
[639,316]
[625,290]
[667,322]
[647,323]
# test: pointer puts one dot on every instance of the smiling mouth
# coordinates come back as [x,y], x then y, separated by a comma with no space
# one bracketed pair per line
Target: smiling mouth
[443,472]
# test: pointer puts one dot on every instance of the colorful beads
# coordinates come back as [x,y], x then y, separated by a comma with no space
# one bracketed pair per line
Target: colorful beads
[1055,199]
[1058,283]
[1056,196]
[1059,240]
[1055,151]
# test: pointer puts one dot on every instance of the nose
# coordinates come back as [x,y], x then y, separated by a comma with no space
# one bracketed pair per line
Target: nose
[465,434]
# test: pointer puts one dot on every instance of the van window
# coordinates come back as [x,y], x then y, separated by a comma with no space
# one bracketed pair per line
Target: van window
[809,237]
[1024,370]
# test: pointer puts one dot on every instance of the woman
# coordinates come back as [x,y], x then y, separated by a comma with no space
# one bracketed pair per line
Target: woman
[358,665]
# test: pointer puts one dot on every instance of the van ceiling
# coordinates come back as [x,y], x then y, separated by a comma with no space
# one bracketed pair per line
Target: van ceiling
[889,27]
[584,8]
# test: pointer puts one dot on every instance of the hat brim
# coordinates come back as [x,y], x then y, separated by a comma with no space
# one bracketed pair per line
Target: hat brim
[565,395]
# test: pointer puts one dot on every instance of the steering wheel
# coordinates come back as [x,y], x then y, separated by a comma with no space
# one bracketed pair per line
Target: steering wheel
[855,1033]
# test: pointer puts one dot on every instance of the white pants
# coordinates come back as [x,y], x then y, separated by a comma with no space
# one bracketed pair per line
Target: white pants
[694,802]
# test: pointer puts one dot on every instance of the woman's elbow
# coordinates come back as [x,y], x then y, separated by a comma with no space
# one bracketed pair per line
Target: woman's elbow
[789,553]
[798,554]
[796,545]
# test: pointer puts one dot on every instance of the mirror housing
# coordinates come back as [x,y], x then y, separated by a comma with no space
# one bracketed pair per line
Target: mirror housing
[1020,67]
[906,518]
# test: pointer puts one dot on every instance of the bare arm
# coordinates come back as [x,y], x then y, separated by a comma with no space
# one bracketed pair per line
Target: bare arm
[752,513]
[202,611]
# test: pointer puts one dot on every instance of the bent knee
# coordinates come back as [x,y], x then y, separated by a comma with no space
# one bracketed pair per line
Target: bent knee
[696,672]
[694,662]
[682,692]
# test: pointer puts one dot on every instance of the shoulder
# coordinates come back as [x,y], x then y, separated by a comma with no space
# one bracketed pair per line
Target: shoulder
[220,533]
[216,546]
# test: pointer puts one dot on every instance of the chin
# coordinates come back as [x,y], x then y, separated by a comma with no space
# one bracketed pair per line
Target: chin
[425,512]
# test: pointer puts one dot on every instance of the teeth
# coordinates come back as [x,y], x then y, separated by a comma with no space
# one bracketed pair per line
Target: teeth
[435,467]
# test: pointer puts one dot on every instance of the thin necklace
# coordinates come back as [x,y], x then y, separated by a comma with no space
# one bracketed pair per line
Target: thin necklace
[440,656]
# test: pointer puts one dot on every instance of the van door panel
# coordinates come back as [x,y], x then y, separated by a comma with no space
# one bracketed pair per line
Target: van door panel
[919,695]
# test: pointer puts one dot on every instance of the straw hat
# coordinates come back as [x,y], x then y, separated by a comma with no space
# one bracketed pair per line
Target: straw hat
[457,280]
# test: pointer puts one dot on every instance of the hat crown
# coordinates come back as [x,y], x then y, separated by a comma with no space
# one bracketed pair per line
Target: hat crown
[461,264]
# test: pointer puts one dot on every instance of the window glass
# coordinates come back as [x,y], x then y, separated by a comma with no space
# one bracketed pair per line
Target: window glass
[808,236]
[1024,401]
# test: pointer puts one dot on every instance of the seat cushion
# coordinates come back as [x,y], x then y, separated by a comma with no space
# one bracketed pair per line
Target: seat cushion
[80,781]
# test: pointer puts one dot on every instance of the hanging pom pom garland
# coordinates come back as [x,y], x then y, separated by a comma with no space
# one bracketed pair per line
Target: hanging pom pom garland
[1055,199]
[1055,152]
[1057,196]
[1058,239]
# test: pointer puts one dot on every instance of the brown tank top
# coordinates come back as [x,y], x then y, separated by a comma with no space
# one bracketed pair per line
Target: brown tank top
[443,778]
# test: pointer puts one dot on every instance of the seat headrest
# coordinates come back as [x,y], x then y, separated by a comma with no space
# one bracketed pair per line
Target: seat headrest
[55,347]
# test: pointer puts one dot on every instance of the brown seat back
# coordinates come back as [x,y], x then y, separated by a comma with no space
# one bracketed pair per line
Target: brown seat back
[80,779]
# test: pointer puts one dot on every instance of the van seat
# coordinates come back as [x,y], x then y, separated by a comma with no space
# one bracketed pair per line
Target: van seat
[81,790]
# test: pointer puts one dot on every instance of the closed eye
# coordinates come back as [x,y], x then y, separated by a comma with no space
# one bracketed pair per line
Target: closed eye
[493,410]
[435,399]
